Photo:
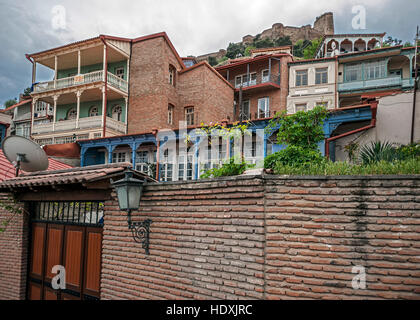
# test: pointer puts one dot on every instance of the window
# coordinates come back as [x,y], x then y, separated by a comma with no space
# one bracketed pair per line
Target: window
[245,113]
[263,107]
[353,72]
[93,111]
[253,80]
[300,107]
[185,167]
[243,80]
[118,157]
[265,76]
[301,78]
[172,72]
[116,112]
[71,114]
[189,115]
[321,75]
[166,167]
[251,149]
[23,129]
[170,114]
[396,72]
[375,70]
[142,162]
[119,72]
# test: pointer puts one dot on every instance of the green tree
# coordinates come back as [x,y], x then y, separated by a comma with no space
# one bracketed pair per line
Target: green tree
[10,103]
[310,50]
[248,50]
[27,91]
[282,41]
[212,61]
[301,133]
[300,46]
[234,50]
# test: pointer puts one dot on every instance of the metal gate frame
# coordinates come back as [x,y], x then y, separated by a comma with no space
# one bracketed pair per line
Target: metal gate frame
[66,218]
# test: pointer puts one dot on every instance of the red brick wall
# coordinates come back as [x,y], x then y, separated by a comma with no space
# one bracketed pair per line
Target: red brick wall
[268,238]
[211,97]
[278,97]
[318,229]
[13,254]
[150,91]
[206,242]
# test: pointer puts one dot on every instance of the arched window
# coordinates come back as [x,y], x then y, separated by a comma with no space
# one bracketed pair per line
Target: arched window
[116,112]
[71,114]
[93,111]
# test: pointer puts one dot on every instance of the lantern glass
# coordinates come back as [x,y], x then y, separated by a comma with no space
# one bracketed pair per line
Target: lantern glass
[122,196]
[128,192]
[134,194]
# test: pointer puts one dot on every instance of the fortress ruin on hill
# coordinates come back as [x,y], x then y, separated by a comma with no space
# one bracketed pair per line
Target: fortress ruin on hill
[323,25]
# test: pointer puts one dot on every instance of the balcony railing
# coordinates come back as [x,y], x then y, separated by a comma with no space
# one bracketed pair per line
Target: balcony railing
[374,83]
[80,79]
[259,80]
[84,123]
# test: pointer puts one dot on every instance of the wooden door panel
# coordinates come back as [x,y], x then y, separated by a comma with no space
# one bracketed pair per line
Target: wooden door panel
[34,291]
[92,273]
[37,253]
[50,294]
[73,256]
[54,249]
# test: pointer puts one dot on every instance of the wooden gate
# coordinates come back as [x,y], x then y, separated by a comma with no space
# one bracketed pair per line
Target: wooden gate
[67,234]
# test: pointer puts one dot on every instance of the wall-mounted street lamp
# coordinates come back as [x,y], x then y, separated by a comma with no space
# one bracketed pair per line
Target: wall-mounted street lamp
[129,192]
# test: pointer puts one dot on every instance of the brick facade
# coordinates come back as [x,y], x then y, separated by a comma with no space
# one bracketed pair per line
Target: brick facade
[268,238]
[13,253]
[151,92]
[277,94]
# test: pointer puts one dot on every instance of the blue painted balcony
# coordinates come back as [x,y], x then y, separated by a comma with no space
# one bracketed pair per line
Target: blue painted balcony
[391,82]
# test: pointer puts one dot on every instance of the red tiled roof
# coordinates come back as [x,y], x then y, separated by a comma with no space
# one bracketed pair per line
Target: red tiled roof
[7,170]
[17,105]
[77,175]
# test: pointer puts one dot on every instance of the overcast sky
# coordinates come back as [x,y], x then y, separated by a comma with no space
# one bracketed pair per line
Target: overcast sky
[194,26]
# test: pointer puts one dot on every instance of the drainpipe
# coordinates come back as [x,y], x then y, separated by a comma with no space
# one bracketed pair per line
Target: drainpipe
[106,84]
[373,108]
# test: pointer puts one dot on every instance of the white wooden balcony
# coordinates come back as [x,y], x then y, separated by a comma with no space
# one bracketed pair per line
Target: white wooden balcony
[83,123]
[80,79]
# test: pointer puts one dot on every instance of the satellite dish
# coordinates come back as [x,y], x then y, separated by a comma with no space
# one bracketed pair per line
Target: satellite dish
[24,154]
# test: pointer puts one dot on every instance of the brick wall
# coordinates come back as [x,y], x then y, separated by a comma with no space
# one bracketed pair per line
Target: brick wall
[150,91]
[268,237]
[13,254]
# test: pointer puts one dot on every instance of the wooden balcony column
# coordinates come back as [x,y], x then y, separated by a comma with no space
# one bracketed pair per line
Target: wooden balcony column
[103,105]
[79,60]
[269,69]
[34,72]
[55,110]
[55,71]
[247,74]
[34,101]
[78,95]
[126,114]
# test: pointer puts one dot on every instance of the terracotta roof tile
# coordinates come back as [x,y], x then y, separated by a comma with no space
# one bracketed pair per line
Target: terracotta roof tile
[77,175]
[7,170]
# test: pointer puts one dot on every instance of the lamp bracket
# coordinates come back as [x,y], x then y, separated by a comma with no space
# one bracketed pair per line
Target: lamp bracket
[140,231]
